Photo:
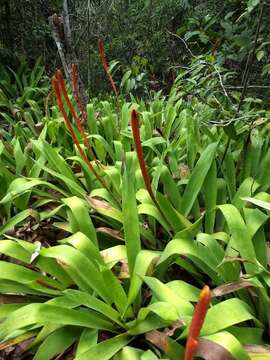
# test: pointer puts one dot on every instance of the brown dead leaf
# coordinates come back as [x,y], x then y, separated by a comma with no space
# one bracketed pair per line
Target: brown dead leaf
[210,350]
[24,341]
[42,283]
[257,349]
[160,339]
[232,259]
[184,171]
[112,232]
[124,270]
[230,287]
[97,203]
[61,263]
[12,299]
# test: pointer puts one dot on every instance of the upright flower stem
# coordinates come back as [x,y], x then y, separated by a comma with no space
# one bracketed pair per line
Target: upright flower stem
[61,82]
[197,322]
[135,125]
[105,66]
[56,81]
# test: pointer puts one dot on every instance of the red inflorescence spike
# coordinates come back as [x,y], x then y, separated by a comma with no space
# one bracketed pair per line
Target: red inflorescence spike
[197,322]
[135,125]
[60,78]
[57,88]
[105,65]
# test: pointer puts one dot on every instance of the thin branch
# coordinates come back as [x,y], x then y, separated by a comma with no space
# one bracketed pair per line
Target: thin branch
[231,87]
[222,85]
[183,41]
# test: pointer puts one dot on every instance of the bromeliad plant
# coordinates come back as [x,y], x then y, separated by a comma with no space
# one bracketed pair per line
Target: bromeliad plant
[119,281]
[75,294]
[22,95]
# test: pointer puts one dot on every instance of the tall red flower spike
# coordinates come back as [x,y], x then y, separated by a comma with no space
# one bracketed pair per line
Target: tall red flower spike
[76,90]
[105,65]
[60,78]
[135,125]
[57,88]
[197,322]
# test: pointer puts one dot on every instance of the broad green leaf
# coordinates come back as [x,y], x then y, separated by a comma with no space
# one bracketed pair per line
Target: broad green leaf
[263,204]
[84,273]
[241,239]
[163,293]
[57,342]
[210,195]
[199,253]
[234,311]
[130,217]
[197,178]
[142,264]
[94,304]
[81,242]
[18,218]
[105,350]
[88,339]
[81,218]
[38,314]
[228,342]
[21,186]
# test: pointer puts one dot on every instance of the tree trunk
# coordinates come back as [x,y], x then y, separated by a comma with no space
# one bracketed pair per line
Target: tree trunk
[61,32]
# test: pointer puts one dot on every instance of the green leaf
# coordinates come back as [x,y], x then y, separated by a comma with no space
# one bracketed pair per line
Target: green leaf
[57,342]
[88,339]
[94,304]
[105,350]
[81,218]
[263,204]
[17,219]
[142,264]
[130,217]
[163,293]
[234,311]
[85,273]
[210,195]
[241,239]
[197,178]
[228,342]
[38,314]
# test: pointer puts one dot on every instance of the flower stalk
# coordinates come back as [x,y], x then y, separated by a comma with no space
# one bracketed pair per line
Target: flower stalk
[197,322]
[59,86]
[135,125]
[105,66]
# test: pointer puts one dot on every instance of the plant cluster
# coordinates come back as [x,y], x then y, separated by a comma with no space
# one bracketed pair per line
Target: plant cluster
[114,217]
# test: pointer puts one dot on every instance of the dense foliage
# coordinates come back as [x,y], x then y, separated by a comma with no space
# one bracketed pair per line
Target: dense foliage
[106,253]
[136,226]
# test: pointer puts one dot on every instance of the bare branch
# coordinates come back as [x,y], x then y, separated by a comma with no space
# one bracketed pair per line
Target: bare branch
[183,41]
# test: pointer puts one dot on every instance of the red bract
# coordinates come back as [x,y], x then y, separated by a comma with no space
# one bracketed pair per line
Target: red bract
[58,86]
[60,78]
[105,65]
[197,322]
[102,55]
[135,125]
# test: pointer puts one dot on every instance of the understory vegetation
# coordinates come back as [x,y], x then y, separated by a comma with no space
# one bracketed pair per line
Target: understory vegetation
[136,226]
